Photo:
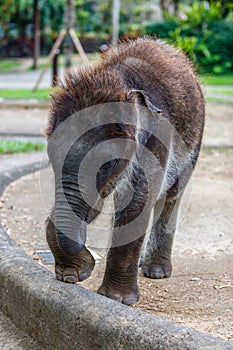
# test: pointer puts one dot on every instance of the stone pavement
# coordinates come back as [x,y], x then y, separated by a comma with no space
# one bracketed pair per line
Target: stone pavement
[217,92]
[26,79]
[23,121]
[23,124]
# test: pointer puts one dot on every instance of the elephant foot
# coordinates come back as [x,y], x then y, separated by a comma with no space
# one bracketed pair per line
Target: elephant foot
[76,269]
[127,297]
[159,268]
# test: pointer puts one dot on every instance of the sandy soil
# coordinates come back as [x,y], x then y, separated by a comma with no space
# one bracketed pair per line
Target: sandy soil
[200,292]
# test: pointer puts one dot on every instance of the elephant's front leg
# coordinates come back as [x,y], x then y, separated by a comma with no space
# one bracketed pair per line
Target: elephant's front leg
[68,269]
[120,279]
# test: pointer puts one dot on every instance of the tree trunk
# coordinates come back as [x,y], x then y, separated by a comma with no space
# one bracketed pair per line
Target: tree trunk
[69,23]
[163,7]
[115,21]
[36,53]
[176,7]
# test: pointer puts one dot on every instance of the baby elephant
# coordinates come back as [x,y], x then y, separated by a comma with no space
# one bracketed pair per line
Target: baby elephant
[141,111]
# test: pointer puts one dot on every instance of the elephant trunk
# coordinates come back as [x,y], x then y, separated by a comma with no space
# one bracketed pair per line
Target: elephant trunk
[70,218]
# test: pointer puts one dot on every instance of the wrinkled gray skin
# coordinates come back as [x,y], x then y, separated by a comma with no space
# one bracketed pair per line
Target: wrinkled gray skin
[171,88]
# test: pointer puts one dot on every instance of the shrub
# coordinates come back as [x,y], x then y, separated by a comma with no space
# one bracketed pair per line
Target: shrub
[161,28]
[203,35]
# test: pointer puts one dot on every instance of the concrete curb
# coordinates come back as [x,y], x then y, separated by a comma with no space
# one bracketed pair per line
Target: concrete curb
[16,134]
[64,316]
[24,103]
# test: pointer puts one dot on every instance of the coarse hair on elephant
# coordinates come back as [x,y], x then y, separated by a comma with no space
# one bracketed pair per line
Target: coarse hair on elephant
[143,95]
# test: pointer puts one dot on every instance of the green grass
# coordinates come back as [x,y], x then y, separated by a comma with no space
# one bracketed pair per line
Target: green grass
[6,65]
[25,93]
[43,94]
[220,91]
[218,99]
[208,79]
[10,147]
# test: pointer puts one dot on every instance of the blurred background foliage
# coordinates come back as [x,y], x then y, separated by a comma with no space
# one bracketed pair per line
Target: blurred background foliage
[202,29]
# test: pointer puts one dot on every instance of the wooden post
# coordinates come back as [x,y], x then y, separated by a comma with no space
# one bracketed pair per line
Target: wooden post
[69,31]
[50,57]
[55,68]
[36,53]
[78,46]
[115,21]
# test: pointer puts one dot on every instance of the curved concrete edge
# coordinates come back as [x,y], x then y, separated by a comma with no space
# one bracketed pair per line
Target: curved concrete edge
[65,316]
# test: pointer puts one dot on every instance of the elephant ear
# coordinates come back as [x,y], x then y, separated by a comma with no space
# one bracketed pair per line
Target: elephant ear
[144,100]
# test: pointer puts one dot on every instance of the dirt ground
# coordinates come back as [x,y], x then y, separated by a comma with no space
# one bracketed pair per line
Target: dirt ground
[200,292]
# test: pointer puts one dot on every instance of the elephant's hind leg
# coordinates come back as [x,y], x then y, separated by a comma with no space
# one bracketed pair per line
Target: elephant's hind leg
[157,260]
